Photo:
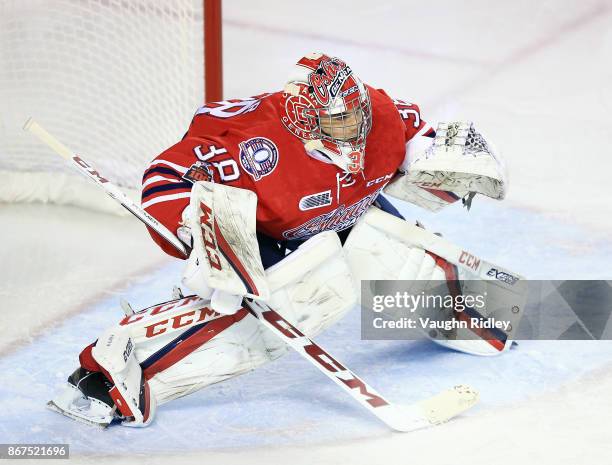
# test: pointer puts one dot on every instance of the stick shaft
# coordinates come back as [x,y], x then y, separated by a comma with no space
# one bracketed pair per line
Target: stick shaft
[111,189]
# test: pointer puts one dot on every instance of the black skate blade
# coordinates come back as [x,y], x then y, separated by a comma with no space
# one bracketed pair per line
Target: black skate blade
[56,408]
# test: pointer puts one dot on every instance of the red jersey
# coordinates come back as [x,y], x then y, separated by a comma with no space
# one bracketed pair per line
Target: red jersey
[243,143]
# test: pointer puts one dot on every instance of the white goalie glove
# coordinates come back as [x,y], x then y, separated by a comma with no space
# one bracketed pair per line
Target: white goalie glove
[224,265]
[460,163]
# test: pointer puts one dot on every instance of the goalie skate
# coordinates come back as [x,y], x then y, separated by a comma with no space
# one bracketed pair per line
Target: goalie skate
[85,400]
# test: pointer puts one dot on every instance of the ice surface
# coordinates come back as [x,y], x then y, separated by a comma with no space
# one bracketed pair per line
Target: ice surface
[288,402]
[538,78]
[285,402]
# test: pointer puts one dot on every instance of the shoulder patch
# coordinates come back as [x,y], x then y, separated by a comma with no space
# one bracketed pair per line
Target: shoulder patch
[258,156]
[199,171]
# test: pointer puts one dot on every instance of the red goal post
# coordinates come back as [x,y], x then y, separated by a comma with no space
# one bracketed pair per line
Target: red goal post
[213,50]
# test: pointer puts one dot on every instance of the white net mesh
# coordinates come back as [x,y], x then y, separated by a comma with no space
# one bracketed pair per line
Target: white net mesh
[115,80]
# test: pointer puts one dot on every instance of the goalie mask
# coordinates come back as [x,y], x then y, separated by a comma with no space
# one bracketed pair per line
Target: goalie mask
[328,107]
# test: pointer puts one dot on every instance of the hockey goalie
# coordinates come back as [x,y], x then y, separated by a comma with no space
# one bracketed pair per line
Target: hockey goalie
[279,198]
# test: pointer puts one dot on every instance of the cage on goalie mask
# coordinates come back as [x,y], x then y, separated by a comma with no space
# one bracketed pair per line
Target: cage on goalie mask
[329,108]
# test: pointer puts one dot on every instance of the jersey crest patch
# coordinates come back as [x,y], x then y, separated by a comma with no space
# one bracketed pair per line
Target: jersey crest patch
[339,219]
[258,156]
[199,171]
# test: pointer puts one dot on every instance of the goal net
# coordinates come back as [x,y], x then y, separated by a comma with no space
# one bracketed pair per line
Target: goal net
[117,81]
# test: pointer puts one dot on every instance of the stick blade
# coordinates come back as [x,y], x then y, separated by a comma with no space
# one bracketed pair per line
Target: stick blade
[28,124]
[449,404]
[430,412]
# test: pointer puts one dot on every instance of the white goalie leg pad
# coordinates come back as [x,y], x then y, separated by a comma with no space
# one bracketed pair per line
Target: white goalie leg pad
[185,345]
[384,247]
[373,252]
[234,348]
[182,345]
[114,351]
[312,288]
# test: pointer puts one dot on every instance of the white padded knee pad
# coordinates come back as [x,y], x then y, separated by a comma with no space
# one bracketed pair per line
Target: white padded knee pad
[312,287]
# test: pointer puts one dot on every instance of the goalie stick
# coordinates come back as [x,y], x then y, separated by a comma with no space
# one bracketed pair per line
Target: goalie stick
[112,190]
[432,411]
[435,410]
